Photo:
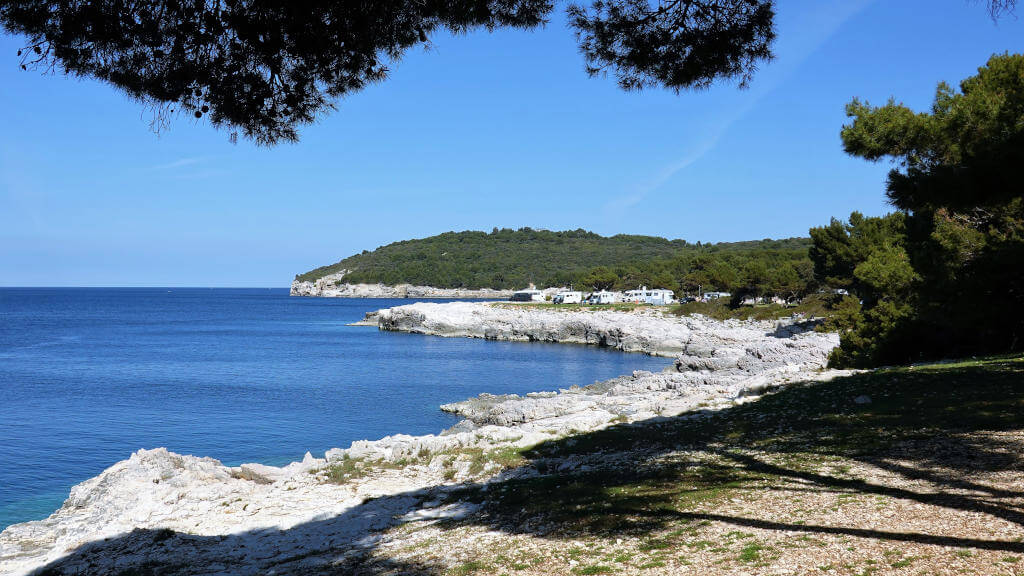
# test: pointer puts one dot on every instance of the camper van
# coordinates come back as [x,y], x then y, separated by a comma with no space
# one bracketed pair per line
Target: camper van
[657,296]
[528,295]
[568,297]
[603,297]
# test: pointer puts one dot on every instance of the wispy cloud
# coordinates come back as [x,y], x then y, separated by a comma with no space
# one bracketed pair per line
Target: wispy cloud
[666,173]
[190,168]
[201,174]
[181,163]
[825,20]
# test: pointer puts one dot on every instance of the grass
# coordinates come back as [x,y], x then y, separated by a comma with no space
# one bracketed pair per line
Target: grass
[467,568]
[348,469]
[808,433]
[594,569]
[903,562]
[505,457]
[815,305]
[751,553]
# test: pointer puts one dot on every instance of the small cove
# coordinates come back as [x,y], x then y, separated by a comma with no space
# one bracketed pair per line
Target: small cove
[88,375]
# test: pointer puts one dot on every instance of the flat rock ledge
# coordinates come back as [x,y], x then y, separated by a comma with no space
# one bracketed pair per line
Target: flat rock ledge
[204,517]
[645,330]
[333,287]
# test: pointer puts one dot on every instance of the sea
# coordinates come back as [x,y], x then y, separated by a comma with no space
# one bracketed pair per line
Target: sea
[89,375]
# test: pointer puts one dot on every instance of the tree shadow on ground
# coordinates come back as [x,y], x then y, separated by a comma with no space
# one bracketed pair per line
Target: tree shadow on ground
[936,430]
[940,425]
[339,545]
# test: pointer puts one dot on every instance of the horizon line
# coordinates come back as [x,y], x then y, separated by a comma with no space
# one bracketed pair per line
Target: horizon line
[154,286]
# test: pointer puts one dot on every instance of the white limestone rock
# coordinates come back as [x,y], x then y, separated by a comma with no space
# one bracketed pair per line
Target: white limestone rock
[160,507]
[333,286]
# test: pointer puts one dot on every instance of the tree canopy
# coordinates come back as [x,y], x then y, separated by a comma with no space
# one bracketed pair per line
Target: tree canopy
[943,276]
[508,258]
[266,67]
[967,152]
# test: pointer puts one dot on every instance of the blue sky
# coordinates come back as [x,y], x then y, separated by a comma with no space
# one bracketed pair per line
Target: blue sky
[484,130]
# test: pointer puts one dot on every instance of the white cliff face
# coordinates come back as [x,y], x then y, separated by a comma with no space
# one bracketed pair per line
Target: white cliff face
[332,287]
[161,507]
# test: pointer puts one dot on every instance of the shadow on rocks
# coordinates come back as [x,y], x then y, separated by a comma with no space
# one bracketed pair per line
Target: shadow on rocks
[947,427]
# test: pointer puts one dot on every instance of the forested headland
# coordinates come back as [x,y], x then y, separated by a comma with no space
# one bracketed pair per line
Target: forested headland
[506,258]
[942,276]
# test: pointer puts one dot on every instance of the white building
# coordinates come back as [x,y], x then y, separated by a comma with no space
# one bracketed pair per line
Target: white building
[657,296]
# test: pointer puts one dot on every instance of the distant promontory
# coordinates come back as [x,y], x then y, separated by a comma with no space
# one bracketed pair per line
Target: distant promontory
[475,264]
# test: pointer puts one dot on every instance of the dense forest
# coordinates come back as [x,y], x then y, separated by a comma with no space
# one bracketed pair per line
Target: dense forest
[506,258]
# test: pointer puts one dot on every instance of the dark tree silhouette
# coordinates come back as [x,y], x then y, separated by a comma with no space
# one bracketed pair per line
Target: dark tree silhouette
[678,43]
[263,67]
[266,67]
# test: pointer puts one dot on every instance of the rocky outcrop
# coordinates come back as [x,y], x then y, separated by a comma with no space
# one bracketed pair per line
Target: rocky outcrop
[332,286]
[170,510]
[715,361]
[646,330]
[162,508]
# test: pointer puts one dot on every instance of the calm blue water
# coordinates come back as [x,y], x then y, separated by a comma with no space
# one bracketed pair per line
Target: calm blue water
[87,376]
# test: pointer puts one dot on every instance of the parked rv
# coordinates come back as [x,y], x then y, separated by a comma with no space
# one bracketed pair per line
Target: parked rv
[604,297]
[657,296]
[528,295]
[568,297]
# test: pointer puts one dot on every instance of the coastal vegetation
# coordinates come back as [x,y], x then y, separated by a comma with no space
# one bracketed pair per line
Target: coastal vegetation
[506,258]
[818,305]
[942,277]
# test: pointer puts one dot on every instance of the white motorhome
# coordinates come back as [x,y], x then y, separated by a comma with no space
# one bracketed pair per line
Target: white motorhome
[568,297]
[604,297]
[657,296]
[528,295]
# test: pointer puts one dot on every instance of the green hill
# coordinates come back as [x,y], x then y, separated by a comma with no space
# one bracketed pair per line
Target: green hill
[509,258]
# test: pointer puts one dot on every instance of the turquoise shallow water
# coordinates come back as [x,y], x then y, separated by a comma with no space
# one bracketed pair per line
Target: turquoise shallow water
[88,375]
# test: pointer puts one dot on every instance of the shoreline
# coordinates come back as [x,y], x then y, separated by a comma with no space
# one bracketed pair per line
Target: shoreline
[719,364]
[333,286]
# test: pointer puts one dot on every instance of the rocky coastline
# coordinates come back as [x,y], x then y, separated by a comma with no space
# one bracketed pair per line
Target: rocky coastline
[195,515]
[333,286]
